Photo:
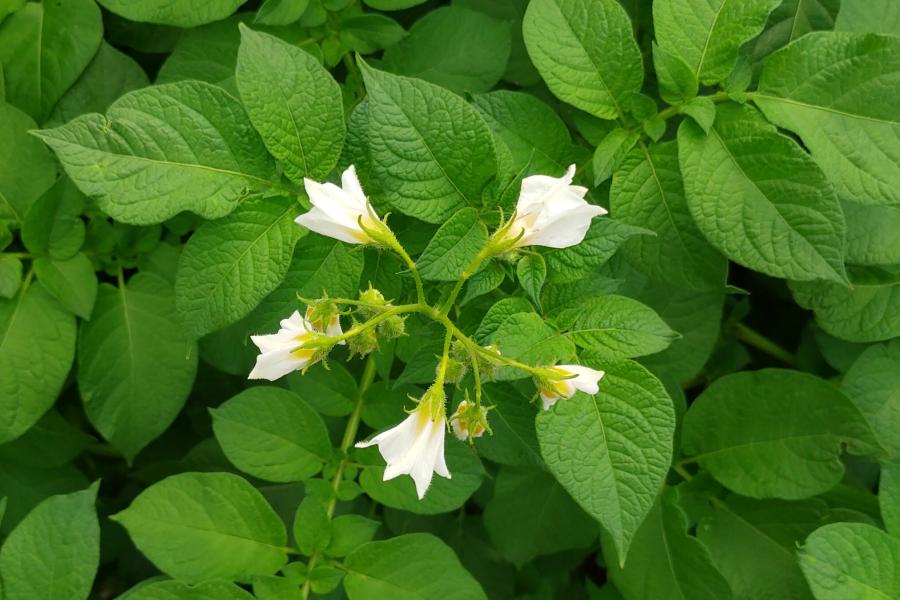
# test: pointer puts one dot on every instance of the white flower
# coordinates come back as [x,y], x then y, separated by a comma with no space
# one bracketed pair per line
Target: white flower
[338,211]
[586,380]
[551,212]
[415,447]
[283,352]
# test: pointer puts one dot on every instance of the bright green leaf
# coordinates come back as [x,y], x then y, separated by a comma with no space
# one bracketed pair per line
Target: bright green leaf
[180,13]
[164,149]
[203,526]
[136,365]
[413,566]
[37,347]
[72,282]
[585,51]
[229,266]
[612,451]
[54,552]
[773,433]
[432,153]
[760,199]
[293,102]
[453,247]
[28,168]
[272,434]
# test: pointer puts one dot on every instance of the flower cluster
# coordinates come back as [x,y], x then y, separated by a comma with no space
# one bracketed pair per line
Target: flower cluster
[550,212]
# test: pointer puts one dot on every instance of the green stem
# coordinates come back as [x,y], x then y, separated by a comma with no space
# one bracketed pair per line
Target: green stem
[763,344]
[411,264]
[350,432]
[682,472]
[470,270]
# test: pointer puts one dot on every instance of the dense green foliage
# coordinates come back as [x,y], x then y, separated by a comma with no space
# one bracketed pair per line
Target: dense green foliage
[739,290]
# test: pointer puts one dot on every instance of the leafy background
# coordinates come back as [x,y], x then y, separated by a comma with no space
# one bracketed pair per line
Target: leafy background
[743,297]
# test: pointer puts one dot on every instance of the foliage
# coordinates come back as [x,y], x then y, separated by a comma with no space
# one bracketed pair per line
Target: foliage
[602,299]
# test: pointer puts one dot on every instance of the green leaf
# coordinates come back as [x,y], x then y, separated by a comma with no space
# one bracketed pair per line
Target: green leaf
[527,338]
[531,271]
[453,247]
[794,19]
[51,442]
[456,48]
[585,51]
[54,552]
[72,282]
[868,311]
[647,191]
[484,281]
[312,525]
[497,315]
[10,275]
[53,224]
[530,132]
[873,385]
[25,486]
[851,560]
[602,241]
[203,526]
[229,266]
[702,110]
[392,4]
[331,391]
[665,562]
[109,75]
[619,327]
[773,433]
[432,153]
[869,16]
[147,160]
[416,565]
[371,33]
[349,532]
[176,590]
[208,53]
[707,34]
[280,12]
[530,514]
[677,81]
[871,233]
[293,102]
[272,434]
[760,199]
[444,495]
[29,169]
[754,543]
[37,347]
[514,441]
[180,13]
[612,451]
[320,267]
[828,88]
[889,496]
[44,48]
[611,151]
[136,365]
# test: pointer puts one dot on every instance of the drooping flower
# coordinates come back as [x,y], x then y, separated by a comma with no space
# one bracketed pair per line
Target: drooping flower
[563,381]
[469,420]
[550,212]
[415,447]
[287,350]
[340,212]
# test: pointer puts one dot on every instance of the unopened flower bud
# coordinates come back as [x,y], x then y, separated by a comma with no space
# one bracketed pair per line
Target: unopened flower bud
[363,342]
[325,317]
[372,303]
[392,327]
[469,421]
[454,371]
